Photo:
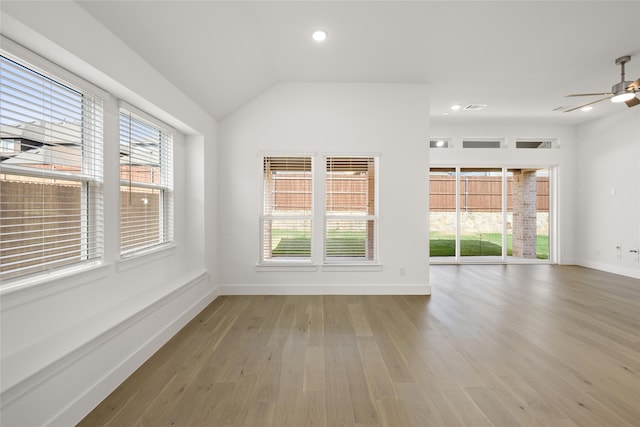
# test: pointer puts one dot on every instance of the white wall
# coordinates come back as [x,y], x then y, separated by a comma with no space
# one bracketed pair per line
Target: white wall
[562,157]
[608,193]
[387,119]
[68,341]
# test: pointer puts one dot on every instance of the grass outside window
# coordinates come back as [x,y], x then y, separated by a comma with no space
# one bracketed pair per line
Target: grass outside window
[292,243]
[480,244]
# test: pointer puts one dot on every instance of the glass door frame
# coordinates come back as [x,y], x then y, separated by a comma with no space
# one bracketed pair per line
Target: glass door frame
[480,259]
[503,259]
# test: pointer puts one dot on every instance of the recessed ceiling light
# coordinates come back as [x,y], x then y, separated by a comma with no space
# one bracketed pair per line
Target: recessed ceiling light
[587,108]
[440,143]
[456,107]
[319,35]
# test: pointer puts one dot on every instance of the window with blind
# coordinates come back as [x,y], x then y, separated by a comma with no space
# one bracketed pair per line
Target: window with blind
[351,212]
[287,208]
[146,184]
[50,172]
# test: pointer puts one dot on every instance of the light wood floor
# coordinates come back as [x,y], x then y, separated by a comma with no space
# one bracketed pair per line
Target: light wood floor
[528,345]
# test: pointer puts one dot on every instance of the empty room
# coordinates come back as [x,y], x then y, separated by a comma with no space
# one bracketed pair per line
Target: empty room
[319,213]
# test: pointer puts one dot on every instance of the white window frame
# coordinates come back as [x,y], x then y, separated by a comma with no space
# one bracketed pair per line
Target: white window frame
[482,143]
[165,187]
[318,219]
[266,217]
[440,143]
[90,176]
[372,254]
[544,143]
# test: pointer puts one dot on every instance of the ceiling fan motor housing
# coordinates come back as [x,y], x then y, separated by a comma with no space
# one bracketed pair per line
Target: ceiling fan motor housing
[620,87]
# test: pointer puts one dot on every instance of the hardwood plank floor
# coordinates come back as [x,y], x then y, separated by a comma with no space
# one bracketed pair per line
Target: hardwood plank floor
[516,345]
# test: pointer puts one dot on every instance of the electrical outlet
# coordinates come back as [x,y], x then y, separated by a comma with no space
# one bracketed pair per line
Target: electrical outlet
[403,271]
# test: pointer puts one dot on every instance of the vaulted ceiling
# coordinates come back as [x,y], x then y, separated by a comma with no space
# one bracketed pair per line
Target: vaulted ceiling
[519,57]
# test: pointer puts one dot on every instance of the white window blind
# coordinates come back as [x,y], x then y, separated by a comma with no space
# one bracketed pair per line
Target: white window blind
[50,172]
[287,208]
[350,216]
[146,184]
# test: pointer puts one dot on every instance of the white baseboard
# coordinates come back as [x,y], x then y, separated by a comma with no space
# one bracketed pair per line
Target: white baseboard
[609,268]
[324,289]
[67,389]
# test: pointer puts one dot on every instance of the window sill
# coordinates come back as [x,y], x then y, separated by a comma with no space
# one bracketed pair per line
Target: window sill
[145,257]
[287,266]
[21,291]
[351,267]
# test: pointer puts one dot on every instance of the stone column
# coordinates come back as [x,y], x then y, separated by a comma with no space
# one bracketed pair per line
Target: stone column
[524,213]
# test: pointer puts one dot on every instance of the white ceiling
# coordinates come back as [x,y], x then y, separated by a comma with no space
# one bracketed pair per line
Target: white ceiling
[518,57]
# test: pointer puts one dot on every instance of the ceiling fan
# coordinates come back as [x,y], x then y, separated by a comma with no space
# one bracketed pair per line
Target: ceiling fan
[625,91]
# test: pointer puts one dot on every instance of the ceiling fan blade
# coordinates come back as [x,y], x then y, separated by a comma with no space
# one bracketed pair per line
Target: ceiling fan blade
[634,86]
[590,103]
[590,94]
[632,102]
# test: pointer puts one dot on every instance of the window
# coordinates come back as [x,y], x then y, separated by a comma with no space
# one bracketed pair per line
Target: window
[8,146]
[439,143]
[351,210]
[481,144]
[540,144]
[287,208]
[50,172]
[146,184]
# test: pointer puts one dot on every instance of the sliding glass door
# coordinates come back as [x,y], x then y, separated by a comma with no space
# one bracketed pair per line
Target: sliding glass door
[528,214]
[480,212]
[490,214]
[443,216]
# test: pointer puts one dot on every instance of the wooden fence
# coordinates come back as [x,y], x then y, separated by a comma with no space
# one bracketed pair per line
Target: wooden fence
[479,194]
[344,193]
[39,223]
[43,222]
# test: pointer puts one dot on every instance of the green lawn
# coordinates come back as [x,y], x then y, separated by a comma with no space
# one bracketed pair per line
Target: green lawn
[352,244]
[485,244]
[339,244]
[293,247]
